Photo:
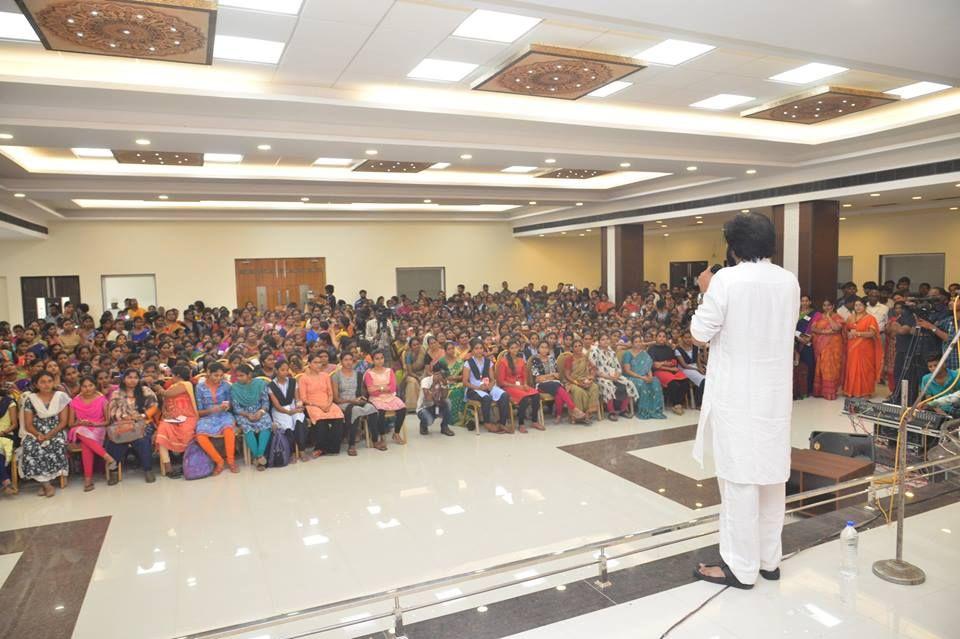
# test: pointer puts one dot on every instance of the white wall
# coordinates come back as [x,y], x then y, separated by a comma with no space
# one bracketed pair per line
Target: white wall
[194,260]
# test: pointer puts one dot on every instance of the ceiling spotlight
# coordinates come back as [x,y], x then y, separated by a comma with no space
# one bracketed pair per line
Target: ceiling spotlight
[439,165]
[143,141]
[163,197]
[874,195]
[666,235]
[917,197]
[304,199]
[19,195]
[842,219]
[371,151]
[466,156]
[624,165]
[581,204]
[551,160]
[264,147]
[744,210]
[691,168]
[541,235]
[847,206]
[699,217]
[954,208]
[751,171]
[531,202]
[582,235]
[699,221]
[427,201]
[589,230]
[6,136]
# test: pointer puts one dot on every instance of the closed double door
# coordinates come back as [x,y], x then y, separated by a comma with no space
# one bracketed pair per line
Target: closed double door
[39,292]
[277,281]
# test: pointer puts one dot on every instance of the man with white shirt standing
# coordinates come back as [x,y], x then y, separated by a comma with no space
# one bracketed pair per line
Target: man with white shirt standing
[748,316]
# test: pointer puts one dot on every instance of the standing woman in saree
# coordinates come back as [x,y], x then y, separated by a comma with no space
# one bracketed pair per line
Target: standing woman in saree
[864,353]
[828,351]
[178,417]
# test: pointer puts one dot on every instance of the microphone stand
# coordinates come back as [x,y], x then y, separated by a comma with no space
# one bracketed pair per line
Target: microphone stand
[898,571]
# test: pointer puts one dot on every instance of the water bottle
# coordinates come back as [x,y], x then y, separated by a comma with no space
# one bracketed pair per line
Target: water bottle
[848,548]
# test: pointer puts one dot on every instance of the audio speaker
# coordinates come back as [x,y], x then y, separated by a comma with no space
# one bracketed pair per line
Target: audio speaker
[846,444]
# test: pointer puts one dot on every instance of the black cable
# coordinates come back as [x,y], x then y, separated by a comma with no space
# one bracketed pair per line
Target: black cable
[796,552]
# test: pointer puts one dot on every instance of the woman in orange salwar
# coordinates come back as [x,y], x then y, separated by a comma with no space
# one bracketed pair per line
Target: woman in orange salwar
[864,353]
[828,351]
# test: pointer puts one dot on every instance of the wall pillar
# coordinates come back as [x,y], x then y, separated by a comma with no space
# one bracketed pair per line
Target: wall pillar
[621,260]
[808,244]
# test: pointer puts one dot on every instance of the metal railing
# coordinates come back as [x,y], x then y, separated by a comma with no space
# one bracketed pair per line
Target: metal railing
[840,492]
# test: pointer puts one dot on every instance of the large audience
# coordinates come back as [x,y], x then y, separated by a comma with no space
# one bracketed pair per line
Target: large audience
[295,384]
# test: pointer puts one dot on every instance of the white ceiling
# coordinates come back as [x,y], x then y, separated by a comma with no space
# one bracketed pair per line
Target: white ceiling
[341,88]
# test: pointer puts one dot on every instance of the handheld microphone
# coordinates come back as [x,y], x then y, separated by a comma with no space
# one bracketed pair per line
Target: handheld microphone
[715,268]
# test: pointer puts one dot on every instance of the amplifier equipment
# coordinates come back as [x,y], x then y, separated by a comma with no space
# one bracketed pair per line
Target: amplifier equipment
[846,444]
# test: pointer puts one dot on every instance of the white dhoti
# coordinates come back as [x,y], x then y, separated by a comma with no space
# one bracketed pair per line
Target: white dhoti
[751,522]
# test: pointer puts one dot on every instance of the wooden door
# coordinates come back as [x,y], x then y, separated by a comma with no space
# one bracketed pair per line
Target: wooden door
[37,293]
[277,281]
[302,279]
[257,282]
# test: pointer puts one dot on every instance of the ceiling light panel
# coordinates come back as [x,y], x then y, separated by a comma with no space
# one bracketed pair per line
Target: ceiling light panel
[520,169]
[722,101]
[819,105]
[440,165]
[288,7]
[808,73]
[917,89]
[14,26]
[223,158]
[333,162]
[441,70]
[388,166]
[288,206]
[162,158]
[610,89]
[495,26]
[673,52]
[85,152]
[241,49]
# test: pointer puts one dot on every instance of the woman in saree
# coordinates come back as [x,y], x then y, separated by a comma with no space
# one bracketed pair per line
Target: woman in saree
[543,367]
[88,423]
[638,367]
[892,329]
[617,391]
[43,451]
[864,353]
[251,407]
[828,351]
[178,418]
[8,428]
[456,393]
[804,361]
[579,377]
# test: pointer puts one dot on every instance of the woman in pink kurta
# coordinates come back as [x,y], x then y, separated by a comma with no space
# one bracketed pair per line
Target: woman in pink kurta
[88,427]
[381,384]
[325,418]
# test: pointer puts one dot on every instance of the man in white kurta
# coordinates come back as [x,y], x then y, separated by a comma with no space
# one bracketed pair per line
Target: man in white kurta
[748,316]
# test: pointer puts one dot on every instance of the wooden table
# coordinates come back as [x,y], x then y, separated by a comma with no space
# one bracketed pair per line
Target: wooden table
[811,469]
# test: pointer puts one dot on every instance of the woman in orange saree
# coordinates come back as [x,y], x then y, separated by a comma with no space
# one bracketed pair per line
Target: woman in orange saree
[828,351]
[864,353]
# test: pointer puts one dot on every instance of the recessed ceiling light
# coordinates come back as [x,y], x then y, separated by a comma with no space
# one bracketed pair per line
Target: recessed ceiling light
[427,201]
[19,195]
[247,49]
[581,204]
[609,89]
[531,202]
[698,217]
[751,171]
[163,197]
[666,235]
[519,169]
[722,101]
[917,89]
[954,208]
[441,70]
[495,26]
[673,52]
[304,199]
[333,162]
[371,151]
[264,147]
[143,142]
[466,156]
[691,168]
[440,165]
[842,219]
[6,136]
[224,158]
[551,161]
[699,221]
[583,234]
[84,152]
[541,235]
[874,195]
[917,197]
[744,210]
[589,230]
[563,232]
[663,226]
[288,7]
[14,26]
[808,73]
[847,206]
[624,165]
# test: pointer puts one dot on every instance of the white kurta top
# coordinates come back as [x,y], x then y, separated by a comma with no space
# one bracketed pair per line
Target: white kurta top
[748,316]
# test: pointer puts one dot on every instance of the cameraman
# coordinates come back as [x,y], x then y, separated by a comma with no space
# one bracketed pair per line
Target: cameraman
[942,325]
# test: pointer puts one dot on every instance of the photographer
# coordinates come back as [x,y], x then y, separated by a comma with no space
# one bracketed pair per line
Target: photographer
[942,325]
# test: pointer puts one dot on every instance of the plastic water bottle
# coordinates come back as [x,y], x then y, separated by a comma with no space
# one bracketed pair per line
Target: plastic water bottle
[848,547]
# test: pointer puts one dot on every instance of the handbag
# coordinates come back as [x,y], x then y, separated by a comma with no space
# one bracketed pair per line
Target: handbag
[126,431]
[196,463]
[279,453]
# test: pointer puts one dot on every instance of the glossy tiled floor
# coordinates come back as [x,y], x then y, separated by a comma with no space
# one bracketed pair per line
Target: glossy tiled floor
[180,557]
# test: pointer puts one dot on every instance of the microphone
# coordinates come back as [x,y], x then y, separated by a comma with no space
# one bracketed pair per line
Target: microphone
[713,269]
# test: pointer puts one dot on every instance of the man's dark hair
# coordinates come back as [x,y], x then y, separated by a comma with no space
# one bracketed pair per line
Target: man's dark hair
[751,236]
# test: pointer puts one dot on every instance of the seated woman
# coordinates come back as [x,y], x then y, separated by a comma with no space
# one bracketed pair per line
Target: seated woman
[512,377]
[480,388]
[178,417]
[251,408]
[579,378]
[543,367]
[614,386]
[638,367]
[348,394]
[688,354]
[381,385]
[213,407]
[414,362]
[326,419]
[8,429]
[665,368]
[88,423]
[456,392]
[287,412]
[43,451]
[130,410]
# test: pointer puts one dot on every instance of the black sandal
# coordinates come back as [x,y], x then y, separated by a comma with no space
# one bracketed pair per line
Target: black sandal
[728,579]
